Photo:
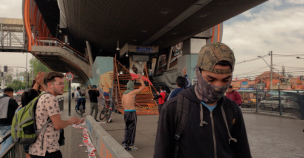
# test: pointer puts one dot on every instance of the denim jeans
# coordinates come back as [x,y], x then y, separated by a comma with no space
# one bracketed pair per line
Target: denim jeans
[3,131]
[83,103]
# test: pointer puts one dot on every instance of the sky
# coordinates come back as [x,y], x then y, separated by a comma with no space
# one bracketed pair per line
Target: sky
[276,25]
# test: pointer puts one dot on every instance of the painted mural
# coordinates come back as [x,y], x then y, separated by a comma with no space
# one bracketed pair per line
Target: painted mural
[105,80]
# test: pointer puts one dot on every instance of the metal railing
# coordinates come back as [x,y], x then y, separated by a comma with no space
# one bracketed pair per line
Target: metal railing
[14,150]
[47,41]
[277,102]
[61,103]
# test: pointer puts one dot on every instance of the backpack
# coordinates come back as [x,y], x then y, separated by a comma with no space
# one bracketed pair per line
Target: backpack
[24,129]
[182,112]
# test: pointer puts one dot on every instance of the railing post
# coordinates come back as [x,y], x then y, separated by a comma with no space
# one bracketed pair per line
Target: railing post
[280,107]
[256,101]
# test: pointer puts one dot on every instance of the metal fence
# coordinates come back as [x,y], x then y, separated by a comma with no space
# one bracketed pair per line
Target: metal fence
[14,150]
[280,102]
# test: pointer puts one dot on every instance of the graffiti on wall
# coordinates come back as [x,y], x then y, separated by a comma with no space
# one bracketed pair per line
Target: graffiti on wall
[106,81]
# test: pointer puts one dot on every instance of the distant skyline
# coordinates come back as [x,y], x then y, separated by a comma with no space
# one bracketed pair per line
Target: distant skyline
[276,25]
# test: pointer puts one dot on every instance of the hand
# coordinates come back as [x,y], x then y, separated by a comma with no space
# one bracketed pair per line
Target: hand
[39,78]
[185,71]
[79,121]
[73,120]
[139,76]
[157,93]
[152,99]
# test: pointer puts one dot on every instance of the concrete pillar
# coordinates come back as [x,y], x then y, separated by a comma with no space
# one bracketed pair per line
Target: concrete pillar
[89,52]
[193,45]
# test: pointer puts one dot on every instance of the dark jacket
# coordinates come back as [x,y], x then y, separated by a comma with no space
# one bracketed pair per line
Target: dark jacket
[12,106]
[196,141]
[175,91]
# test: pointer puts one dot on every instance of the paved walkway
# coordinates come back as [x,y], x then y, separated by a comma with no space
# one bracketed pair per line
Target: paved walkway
[269,136]
[73,136]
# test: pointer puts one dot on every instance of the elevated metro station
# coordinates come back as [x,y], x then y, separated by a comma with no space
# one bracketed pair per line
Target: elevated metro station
[100,40]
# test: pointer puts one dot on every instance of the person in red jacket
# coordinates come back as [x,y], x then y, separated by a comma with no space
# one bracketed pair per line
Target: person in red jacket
[161,98]
[234,96]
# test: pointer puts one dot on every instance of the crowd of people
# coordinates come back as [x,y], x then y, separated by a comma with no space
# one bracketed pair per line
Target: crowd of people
[194,120]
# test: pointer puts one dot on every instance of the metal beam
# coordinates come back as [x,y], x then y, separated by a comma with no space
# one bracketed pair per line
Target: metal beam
[184,15]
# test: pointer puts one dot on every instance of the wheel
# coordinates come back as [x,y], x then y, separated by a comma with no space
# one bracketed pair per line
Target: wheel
[77,111]
[103,113]
[81,110]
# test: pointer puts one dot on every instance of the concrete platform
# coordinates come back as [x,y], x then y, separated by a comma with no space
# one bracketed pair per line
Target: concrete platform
[73,136]
[269,136]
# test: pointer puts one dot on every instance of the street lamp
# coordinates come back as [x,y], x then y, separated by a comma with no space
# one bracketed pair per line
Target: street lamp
[299,58]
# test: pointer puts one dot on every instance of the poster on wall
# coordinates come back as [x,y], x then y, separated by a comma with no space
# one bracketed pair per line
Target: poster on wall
[177,52]
[162,64]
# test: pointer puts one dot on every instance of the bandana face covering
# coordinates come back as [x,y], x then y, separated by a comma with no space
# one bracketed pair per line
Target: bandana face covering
[207,92]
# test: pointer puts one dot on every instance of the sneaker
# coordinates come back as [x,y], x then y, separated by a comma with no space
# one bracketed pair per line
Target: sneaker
[132,148]
[124,146]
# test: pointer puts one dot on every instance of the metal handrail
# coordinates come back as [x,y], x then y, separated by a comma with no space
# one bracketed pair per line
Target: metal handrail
[47,41]
[5,137]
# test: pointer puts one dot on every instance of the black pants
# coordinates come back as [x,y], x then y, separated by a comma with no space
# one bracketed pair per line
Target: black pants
[56,154]
[130,130]
[159,107]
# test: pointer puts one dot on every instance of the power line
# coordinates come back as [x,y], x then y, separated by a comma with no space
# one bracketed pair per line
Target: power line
[249,60]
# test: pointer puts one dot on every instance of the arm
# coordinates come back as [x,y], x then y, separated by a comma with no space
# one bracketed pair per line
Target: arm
[238,131]
[157,97]
[54,113]
[188,83]
[143,86]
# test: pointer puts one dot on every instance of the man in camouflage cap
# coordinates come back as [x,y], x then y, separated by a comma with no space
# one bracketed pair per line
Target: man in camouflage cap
[207,123]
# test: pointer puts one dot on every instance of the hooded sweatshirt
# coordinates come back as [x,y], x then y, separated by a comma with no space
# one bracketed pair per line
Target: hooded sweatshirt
[130,87]
[197,141]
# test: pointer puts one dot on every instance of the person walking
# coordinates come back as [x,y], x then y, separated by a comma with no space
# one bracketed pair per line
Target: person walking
[234,96]
[128,100]
[8,106]
[46,144]
[201,121]
[94,94]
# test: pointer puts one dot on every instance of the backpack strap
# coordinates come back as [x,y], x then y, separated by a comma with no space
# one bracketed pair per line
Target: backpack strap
[181,118]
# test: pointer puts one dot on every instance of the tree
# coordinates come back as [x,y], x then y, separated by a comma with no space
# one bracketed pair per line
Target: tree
[36,66]
[16,85]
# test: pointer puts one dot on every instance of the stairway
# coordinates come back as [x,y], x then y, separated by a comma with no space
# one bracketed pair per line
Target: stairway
[143,102]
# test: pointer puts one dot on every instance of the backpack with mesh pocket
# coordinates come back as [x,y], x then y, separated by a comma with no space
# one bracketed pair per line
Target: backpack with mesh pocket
[24,129]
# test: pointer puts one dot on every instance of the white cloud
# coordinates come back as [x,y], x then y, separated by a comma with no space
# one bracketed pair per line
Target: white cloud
[295,1]
[279,29]
[11,8]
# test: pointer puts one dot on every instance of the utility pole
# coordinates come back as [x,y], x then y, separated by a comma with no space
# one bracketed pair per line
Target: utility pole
[270,70]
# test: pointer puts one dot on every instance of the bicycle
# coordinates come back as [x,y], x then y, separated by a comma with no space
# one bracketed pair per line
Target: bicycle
[80,111]
[105,113]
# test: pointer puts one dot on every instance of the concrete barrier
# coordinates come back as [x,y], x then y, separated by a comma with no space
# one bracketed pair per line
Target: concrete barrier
[106,146]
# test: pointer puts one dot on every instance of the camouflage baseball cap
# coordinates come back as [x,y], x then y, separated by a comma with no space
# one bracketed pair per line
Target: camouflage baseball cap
[211,54]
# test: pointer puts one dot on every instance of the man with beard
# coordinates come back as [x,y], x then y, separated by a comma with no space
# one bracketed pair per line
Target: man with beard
[201,121]
[47,111]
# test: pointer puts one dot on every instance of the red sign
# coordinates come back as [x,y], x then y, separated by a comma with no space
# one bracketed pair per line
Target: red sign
[69,76]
